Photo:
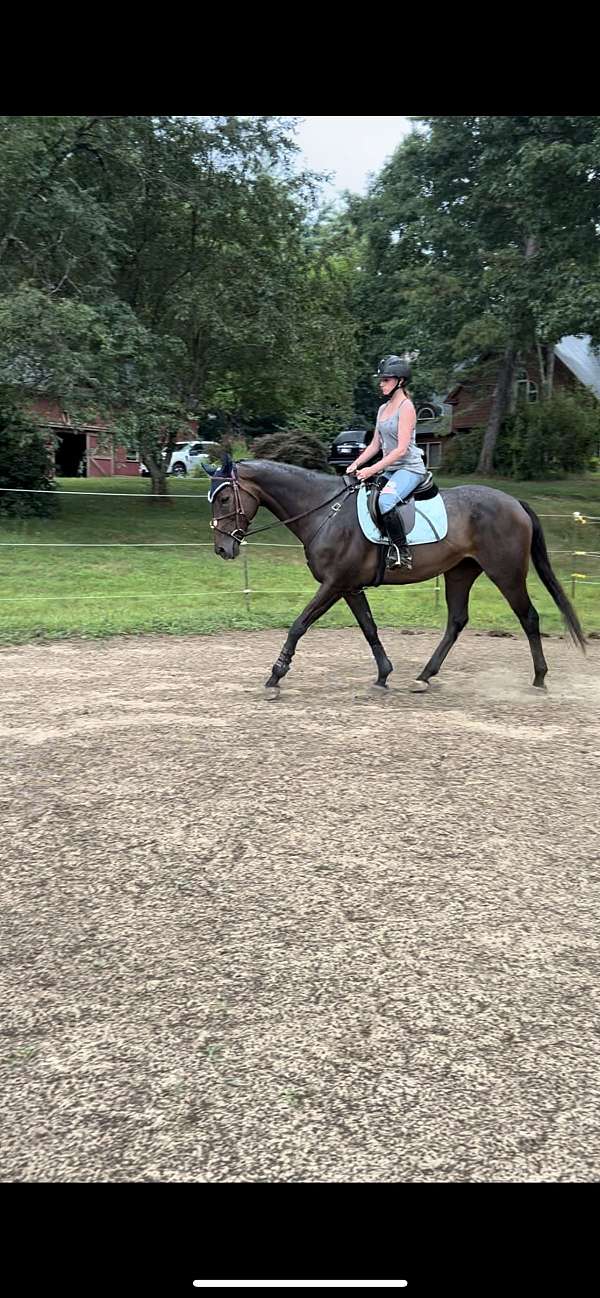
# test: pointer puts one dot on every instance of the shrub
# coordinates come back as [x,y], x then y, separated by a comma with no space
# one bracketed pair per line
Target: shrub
[292,447]
[25,461]
[461,453]
[545,439]
[550,438]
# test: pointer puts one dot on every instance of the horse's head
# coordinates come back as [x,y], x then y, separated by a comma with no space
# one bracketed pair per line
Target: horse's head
[229,500]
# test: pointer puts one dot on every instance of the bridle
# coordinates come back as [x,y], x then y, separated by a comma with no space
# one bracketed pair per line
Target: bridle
[238,534]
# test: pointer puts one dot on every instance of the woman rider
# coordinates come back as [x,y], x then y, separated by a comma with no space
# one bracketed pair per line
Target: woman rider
[402,463]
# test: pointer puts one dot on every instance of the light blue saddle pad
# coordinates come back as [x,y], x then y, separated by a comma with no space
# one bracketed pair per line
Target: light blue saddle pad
[431,521]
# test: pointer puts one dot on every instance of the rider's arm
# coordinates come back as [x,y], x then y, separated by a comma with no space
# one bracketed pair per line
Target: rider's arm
[407,419]
[367,454]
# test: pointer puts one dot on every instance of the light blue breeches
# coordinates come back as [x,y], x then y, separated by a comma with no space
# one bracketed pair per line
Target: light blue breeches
[403,481]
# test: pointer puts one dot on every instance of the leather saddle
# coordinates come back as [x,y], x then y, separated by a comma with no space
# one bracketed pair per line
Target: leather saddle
[406,508]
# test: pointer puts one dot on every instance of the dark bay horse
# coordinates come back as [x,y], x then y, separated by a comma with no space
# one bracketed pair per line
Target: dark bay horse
[488,531]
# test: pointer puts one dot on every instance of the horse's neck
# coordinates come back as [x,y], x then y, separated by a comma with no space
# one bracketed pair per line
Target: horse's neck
[282,489]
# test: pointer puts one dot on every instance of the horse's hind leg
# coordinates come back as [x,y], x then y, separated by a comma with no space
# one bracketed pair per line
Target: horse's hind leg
[514,588]
[458,587]
[359,605]
[324,599]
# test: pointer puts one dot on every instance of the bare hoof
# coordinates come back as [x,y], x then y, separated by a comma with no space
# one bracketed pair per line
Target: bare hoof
[272,693]
[418,687]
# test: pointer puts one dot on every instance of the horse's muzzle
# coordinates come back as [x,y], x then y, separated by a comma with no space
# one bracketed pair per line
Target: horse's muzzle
[229,550]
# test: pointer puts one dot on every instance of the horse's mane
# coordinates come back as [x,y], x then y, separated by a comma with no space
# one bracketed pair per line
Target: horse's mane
[295,470]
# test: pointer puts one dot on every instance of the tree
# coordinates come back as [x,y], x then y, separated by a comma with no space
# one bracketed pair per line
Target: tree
[158,264]
[482,235]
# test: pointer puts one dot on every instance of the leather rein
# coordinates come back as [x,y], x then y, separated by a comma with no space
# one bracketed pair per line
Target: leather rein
[238,534]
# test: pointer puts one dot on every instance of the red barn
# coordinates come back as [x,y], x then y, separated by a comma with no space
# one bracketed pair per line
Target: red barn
[86,450]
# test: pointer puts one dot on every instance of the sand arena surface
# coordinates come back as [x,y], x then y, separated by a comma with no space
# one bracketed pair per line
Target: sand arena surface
[348,936]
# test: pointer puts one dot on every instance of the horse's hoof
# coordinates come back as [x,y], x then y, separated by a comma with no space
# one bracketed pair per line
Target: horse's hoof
[272,693]
[418,687]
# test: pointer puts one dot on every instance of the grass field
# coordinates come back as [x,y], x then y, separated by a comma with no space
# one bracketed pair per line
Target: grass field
[94,584]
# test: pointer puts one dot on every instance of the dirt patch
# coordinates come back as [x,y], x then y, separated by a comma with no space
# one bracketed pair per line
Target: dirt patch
[349,936]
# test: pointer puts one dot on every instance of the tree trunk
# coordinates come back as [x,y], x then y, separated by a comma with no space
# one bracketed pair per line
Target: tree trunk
[546,358]
[157,468]
[158,475]
[542,369]
[499,408]
[512,402]
[550,359]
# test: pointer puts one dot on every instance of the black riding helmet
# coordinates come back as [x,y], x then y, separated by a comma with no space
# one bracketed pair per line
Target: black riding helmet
[393,367]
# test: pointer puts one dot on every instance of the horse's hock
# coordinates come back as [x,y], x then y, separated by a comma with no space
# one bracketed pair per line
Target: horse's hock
[353,937]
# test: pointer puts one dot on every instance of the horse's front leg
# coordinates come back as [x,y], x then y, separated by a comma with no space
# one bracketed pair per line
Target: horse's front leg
[359,605]
[324,599]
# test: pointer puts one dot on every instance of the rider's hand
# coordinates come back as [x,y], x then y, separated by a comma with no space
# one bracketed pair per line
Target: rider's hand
[363,474]
[351,468]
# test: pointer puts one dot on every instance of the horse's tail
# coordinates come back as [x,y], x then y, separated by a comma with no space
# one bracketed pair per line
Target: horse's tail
[543,567]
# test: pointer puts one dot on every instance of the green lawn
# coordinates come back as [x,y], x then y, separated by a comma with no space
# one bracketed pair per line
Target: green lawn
[105,589]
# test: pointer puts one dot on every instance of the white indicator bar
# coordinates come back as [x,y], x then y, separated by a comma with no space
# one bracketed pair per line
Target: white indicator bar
[300,1284]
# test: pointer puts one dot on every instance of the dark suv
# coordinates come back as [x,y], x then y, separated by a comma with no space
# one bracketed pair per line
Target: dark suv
[346,446]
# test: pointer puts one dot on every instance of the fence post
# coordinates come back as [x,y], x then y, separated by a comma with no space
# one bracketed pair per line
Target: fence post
[437,592]
[577,518]
[246,577]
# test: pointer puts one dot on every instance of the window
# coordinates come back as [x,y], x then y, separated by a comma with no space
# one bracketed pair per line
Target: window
[425,412]
[526,390]
[133,456]
[434,455]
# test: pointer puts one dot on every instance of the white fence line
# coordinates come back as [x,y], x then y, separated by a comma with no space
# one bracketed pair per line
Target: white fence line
[198,593]
[576,578]
[168,495]
[139,545]
[116,495]
[103,545]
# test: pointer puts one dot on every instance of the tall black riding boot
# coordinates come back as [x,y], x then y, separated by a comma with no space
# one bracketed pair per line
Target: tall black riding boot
[399,554]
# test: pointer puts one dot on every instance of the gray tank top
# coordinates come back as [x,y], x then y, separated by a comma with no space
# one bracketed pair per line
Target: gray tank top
[388,432]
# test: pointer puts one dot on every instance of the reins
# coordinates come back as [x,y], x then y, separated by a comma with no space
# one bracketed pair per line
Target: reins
[240,536]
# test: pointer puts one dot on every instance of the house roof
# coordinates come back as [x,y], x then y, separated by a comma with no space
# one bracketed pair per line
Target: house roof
[583,360]
[575,351]
[433,428]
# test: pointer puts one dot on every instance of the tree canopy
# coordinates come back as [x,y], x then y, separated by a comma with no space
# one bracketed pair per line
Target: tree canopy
[481,235]
[151,263]
[156,268]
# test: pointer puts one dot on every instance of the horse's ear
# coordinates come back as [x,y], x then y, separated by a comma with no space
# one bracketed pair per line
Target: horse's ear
[207,468]
[227,465]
